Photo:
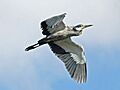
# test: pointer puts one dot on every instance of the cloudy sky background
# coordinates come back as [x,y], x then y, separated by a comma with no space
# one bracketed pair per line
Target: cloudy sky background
[40,69]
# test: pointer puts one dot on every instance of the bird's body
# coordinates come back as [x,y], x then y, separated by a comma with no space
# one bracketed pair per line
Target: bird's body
[58,37]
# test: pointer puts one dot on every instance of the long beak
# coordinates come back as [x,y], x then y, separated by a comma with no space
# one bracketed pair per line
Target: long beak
[87,26]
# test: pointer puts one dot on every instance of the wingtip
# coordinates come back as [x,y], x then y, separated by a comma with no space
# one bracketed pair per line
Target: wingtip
[65,13]
[80,75]
[78,72]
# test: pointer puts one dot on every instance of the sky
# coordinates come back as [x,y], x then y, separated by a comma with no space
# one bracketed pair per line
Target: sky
[40,69]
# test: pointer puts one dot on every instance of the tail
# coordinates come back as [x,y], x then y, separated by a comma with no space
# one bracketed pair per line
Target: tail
[40,42]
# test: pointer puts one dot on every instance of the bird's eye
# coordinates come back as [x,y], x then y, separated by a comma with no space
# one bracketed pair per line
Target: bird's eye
[78,26]
[81,25]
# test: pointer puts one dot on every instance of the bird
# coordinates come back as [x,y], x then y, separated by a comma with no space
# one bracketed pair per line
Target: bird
[58,37]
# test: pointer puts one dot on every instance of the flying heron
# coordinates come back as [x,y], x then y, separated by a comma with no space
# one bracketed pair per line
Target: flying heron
[58,37]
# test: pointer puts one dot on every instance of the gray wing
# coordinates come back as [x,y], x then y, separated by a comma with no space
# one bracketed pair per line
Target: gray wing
[73,57]
[53,24]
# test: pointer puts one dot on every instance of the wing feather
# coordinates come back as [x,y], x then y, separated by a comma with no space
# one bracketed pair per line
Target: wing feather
[73,58]
[53,24]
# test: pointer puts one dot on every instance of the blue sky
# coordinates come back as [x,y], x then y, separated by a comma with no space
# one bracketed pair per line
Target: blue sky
[40,69]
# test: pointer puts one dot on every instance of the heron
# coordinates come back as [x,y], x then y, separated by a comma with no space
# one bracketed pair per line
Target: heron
[58,37]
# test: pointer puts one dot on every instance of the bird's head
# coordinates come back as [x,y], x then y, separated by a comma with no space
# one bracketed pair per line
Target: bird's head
[80,27]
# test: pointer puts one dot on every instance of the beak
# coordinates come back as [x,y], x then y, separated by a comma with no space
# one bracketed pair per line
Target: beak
[87,26]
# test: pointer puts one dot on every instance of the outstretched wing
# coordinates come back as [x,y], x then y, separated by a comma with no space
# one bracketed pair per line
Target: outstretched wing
[73,57]
[53,24]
